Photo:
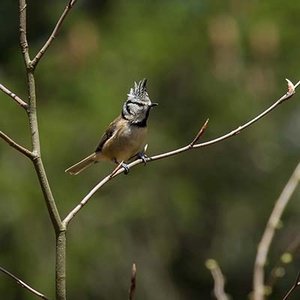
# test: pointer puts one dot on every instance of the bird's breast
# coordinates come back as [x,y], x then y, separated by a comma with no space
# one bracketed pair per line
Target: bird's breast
[124,143]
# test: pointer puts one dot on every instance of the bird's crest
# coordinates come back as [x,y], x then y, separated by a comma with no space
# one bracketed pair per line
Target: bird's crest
[139,90]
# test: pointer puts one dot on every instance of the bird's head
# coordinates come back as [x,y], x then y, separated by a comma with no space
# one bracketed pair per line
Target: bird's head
[138,105]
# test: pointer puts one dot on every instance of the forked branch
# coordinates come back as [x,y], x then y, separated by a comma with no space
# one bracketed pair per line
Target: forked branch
[54,33]
[33,123]
[60,231]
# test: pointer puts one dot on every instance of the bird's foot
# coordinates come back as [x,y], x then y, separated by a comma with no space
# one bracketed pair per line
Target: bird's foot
[143,156]
[126,168]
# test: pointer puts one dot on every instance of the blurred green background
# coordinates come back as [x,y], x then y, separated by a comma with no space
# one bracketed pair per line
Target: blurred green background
[223,60]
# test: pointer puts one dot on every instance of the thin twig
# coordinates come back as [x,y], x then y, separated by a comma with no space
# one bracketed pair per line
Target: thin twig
[115,173]
[219,280]
[285,97]
[15,145]
[132,283]
[293,288]
[23,284]
[53,35]
[292,248]
[21,102]
[236,131]
[264,245]
[199,134]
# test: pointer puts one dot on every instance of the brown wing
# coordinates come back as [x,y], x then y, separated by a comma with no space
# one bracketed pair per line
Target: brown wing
[108,134]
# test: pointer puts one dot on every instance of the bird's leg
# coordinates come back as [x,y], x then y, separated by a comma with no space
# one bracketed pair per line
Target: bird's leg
[118,167]
[141,155]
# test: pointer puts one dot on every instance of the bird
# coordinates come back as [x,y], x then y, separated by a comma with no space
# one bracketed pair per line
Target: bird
[125,135]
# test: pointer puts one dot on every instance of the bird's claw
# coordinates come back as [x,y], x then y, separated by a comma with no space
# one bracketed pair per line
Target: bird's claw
[126,168]
[143,157]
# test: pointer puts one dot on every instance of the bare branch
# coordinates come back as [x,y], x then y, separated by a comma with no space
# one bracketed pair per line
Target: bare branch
[33,125]
[293,288]
[85,200]
[132,283]
[23,284]
[53,35]
[15,145]
[264,245]
[190,146]
[58,226]
[285,97]
[219,281]
[23,33]
[278,270]
[230,134]
[38,162]
[21,102]
[199,134]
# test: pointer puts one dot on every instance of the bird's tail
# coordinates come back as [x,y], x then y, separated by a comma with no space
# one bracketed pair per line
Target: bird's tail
[80,166]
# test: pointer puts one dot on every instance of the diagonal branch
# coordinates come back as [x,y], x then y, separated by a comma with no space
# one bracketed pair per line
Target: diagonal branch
[15,145]
[293,288]
[85,200]
[192,145]
[23,284]
[21,102]
[53,35]
[234,132]
[264,245]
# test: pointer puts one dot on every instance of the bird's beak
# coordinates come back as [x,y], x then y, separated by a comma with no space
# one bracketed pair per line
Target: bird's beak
[153,104]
